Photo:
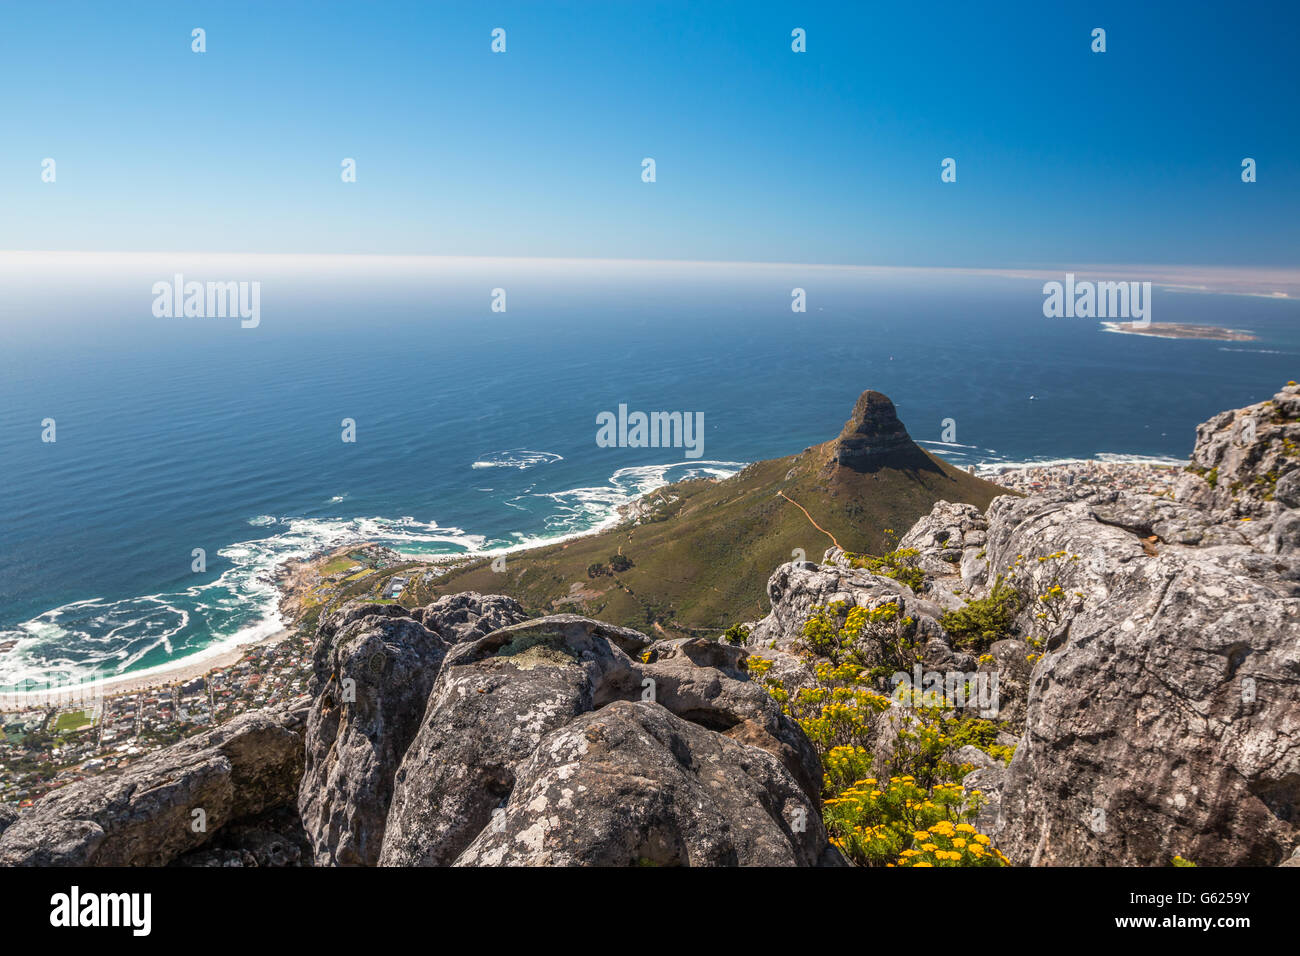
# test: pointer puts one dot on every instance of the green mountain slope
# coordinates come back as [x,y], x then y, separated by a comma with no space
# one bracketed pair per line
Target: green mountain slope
[701,551]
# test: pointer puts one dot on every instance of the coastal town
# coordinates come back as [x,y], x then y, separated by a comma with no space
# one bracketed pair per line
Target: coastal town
[52,737]
[63,735]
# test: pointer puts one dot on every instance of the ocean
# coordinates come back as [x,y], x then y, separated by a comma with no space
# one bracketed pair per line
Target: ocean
[476,429]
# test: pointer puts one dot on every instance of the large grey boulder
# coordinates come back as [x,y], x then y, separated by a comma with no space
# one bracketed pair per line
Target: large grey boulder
[493,701]
[632,784]
[949,542]
[500,702]
[1247,452]
[467,616]
[708,683]
[375,667]
[1163,718]
[148,813]
[367,713]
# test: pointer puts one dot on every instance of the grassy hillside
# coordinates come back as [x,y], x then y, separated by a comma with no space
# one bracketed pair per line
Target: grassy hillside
[698,558]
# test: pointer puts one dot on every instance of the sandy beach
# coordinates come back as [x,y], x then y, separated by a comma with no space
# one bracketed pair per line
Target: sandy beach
[165,675]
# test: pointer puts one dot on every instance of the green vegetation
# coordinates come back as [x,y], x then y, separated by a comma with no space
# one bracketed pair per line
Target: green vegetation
[899,823]
[987,620]
[338,565]
[70,721]
[877,638]
[898,563]
[701,552]
[737,634]
[904,810]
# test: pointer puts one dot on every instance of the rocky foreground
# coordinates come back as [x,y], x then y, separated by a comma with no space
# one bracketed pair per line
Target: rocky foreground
[1148,698]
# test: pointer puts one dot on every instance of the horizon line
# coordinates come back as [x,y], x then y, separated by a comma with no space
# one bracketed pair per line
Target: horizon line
[1261,280]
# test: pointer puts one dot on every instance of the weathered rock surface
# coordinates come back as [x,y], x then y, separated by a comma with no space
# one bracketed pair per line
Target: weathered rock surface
[467,616]
[707,683]
[1013,663]
[491,705]
[1249,452]
[375,667]
[144,814]
[950,543]
[501,699]
[632,784]
[1163,718]
[274,839]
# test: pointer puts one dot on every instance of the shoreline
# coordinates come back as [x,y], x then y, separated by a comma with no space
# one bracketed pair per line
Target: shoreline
[180,671]
[1181,330]
[288,577]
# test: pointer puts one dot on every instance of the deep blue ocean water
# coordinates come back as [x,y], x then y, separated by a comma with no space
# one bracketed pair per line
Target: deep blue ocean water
[476,430]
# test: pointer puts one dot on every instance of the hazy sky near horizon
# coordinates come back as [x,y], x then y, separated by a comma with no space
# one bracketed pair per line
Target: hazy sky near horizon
[762,154]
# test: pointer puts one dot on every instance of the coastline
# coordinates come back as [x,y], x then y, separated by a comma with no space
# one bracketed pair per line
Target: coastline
[179,671]
[1180,330]
[292,575]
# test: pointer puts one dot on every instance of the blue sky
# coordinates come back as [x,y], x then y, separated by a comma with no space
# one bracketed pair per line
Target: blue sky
[831,156]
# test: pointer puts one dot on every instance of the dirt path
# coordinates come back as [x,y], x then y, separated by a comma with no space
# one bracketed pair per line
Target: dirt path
[810,519]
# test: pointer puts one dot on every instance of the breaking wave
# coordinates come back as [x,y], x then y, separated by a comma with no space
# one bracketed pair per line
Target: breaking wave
[101,638]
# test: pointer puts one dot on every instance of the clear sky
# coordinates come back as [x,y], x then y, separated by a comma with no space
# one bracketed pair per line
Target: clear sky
[829,156]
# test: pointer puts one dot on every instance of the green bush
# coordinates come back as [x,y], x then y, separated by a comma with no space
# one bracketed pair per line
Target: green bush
[878,637]
[899,564]
[736,634]
[984,621]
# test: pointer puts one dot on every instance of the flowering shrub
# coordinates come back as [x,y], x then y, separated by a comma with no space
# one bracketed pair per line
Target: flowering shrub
[899,823]
[840,710]
[879,637]
[898,563]
[878,825]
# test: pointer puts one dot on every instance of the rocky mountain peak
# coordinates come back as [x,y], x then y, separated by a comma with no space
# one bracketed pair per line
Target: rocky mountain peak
[873,436]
